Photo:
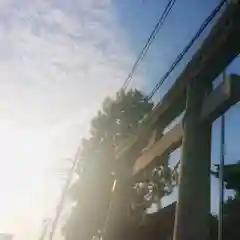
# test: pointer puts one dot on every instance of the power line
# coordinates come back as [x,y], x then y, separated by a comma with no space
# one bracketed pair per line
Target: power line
[186,48]
[149,42]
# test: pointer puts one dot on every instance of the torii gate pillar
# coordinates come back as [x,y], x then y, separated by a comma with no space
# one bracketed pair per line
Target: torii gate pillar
[193,208]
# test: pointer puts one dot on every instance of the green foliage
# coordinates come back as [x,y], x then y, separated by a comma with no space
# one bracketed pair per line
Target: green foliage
[154,187]
[92,192]
[231,215]
[231,218]
[231,208]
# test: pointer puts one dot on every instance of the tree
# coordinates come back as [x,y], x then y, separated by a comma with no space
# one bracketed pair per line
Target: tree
[231,208]
[118,118]
[231,214]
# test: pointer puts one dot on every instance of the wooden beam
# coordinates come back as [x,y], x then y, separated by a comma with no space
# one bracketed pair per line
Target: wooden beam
[168,143]
[220,100]
[217,51]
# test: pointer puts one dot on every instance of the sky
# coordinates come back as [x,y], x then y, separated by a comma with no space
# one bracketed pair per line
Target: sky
[58,61]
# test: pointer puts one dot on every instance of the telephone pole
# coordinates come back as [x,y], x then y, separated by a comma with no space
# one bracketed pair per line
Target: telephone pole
[63,195]
[46,223]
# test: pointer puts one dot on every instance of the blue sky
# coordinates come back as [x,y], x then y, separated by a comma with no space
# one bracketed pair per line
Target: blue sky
[139,17]
[59,60]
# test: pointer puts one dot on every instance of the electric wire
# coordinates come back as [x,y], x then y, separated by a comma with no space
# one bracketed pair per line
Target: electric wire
[149,42]
[186,49]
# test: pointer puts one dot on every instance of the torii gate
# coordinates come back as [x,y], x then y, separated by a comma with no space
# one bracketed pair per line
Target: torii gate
[193,93]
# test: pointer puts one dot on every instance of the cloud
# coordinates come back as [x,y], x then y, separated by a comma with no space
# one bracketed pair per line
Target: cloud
[62,58]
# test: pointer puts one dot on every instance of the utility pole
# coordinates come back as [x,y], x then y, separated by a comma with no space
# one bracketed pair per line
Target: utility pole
[46,223]
[193,208]
[63,196]
[221,174]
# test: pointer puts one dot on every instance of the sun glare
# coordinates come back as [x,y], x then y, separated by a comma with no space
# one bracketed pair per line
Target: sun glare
[26,179]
